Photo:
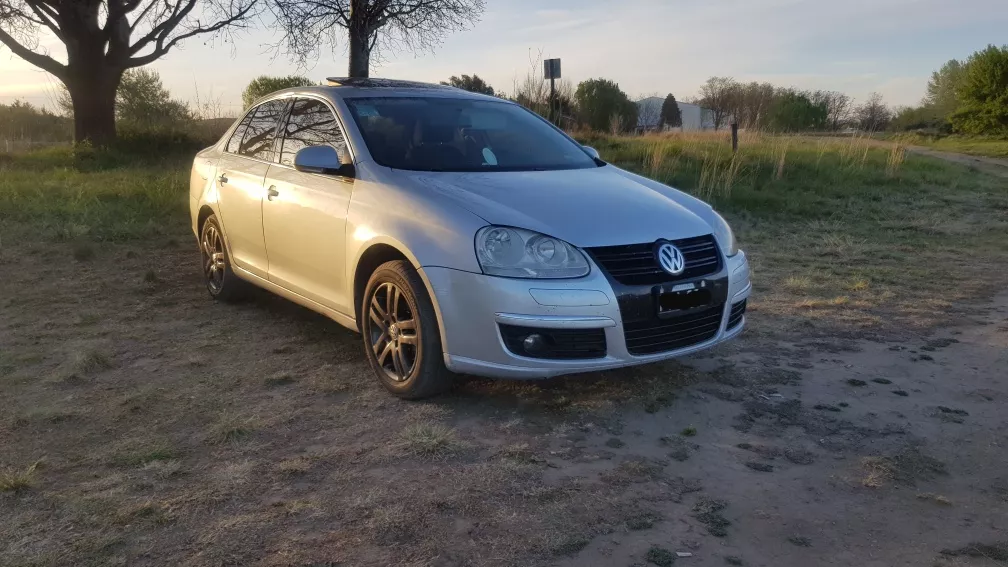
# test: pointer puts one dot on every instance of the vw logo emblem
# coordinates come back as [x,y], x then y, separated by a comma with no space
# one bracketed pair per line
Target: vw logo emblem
[671,259]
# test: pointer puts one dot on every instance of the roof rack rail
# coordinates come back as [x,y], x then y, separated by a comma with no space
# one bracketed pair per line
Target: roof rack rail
[367,82]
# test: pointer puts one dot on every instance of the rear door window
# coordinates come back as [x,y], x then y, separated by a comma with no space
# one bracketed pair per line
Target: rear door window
[239,133]
[258,140]
[310,123]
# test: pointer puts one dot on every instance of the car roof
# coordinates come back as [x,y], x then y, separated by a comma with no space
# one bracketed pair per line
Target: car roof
[356,87]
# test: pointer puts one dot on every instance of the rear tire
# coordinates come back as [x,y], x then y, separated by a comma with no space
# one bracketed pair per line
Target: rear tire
[219,277]
[401,335]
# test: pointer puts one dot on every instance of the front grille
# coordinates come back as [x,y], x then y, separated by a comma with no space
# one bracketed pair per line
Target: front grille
[660,335]
[560,344]
[737,311]
[635,264]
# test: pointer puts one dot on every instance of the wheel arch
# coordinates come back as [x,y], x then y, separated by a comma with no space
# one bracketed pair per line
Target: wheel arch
[377,253]
[204,213]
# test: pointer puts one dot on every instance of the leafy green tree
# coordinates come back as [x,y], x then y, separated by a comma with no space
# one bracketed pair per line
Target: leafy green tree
[264,85]
[793,111]
[941,88]
[602,105]
[473,84]
[671,116]
[143,101]
[983,94]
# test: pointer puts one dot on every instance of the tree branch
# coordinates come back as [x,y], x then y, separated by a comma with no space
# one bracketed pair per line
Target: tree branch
[39,60]
[163,44]
[47,18]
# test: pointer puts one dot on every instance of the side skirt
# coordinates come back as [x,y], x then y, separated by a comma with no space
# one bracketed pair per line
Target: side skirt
[341,318]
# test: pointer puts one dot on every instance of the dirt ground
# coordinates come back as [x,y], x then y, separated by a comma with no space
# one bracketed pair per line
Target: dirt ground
[143,424]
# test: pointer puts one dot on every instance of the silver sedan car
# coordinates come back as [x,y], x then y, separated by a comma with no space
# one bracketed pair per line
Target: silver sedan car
[459,232]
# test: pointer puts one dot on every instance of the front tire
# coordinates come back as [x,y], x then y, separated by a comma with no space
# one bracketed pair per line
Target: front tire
[219,277]
[401,335]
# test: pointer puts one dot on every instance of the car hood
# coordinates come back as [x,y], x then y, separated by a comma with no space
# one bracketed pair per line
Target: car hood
[587,207]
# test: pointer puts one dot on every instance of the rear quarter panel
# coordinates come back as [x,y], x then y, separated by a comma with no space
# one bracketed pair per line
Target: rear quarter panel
[201,182]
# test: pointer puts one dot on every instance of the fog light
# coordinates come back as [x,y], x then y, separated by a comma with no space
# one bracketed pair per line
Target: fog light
[534,343]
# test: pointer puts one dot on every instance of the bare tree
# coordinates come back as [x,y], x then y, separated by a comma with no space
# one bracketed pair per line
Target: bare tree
[533,92]
[103,38]
[370,24]
[838,107]
[873,115]
[649,110]
[717,94]
[751,104]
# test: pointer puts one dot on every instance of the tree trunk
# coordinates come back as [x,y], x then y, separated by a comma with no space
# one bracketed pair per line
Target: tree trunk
[360,53]
[92,82]
[94,113]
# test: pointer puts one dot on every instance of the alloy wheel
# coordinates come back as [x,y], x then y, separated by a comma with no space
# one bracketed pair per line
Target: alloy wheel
[393,331]
[213,258]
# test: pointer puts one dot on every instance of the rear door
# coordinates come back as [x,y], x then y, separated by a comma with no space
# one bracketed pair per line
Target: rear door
[304,217]
[240,174]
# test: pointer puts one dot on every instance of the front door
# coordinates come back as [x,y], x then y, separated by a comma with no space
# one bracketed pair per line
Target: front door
[240,174]
[304,216]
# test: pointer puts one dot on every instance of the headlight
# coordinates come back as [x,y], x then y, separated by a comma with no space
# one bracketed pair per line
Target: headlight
[724,236]
[518,253]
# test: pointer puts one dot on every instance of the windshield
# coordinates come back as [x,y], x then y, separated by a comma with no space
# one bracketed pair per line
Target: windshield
[444,134]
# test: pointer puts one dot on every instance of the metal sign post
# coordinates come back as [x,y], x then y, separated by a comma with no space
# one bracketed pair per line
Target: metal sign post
[551,71]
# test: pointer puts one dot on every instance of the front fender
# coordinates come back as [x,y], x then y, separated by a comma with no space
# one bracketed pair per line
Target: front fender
[427,228]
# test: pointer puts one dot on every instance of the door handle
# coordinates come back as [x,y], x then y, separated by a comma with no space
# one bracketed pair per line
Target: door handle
[222,179]
[272,192]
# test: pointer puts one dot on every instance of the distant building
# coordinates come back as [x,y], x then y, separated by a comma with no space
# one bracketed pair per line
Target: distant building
[694,117]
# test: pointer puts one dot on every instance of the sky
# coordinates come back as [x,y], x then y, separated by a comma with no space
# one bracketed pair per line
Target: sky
[647,46]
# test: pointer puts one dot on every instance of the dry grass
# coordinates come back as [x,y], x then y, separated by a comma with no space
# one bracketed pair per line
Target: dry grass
[233,428]
[430,440]
[896,158]
[936,498]
[15,480]
[92,360]
[905,467]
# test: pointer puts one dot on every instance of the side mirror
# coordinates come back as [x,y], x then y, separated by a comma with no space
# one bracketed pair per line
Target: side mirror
[324,160]
[592,152]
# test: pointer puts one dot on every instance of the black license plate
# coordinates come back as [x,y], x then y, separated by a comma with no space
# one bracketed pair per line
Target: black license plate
[682,297]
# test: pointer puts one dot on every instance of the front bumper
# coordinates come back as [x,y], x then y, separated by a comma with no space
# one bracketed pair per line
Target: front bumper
[471,307]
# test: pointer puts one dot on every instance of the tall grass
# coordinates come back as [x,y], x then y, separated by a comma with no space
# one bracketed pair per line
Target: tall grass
[766,167]
[67,194]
